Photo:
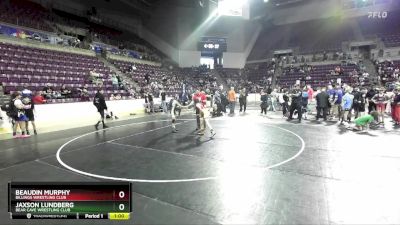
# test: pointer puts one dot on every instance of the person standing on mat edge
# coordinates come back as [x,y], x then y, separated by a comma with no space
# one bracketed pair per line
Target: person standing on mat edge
[380,100]
[217,100]
[371,104]
[101,105]
[243,100]
[322,104]
[163,102]
[264,103]
[295,105]
[232,101]
[347,105]
[396,107]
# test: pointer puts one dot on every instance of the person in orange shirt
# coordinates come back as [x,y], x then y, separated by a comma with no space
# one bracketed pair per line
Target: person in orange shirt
[232,100]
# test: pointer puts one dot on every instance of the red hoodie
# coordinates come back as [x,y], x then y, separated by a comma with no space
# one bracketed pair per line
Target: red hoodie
[38,99]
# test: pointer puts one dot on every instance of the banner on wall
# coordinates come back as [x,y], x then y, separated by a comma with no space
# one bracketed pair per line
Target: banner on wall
[24,33]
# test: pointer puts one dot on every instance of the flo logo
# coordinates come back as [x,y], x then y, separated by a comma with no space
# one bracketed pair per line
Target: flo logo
[378,15]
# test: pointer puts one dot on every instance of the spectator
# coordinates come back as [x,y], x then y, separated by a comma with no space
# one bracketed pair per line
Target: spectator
[84,93]
[163,101]
[322,104]
[243,100]
[264,103]
[232,100]
[151,102]
[65,92]
[47,91]
[347,105]
[115,82]
[38,98]
[147,78]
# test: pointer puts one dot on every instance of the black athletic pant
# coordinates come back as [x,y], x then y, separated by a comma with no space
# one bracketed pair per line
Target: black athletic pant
[264,110]
[285,108]
[219,109]
[324,111]
[299,112]
[243,105]
[101,112]
[198,118]
[371,107]
[223,107]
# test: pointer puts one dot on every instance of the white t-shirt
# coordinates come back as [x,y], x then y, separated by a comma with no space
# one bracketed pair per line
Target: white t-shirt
[175,104]
[18,103]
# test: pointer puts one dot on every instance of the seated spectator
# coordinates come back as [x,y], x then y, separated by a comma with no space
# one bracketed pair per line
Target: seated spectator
[95,78]
[57,94]
[65,92]
[84,93]
[337,70]
[38,98]
[47,92]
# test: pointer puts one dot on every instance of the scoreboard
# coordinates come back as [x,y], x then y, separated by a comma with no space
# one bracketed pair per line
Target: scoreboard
[212,44]
[72,200]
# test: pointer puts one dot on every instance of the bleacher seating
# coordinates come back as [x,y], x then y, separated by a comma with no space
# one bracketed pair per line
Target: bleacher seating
[159,76]
[392,40]
[256,72]
[35,68]
[386,71]
[320,76]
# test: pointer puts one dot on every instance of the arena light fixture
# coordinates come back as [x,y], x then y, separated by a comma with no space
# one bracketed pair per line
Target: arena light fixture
[231,7]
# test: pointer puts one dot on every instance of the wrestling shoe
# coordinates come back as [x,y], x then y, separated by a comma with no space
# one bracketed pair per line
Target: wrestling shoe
[201,132]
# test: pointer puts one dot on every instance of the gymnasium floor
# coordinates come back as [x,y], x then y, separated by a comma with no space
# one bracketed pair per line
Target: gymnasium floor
[256,170]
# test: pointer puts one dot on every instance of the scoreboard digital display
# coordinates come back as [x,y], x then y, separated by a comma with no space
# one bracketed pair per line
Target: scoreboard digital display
[212,44]
[94,200]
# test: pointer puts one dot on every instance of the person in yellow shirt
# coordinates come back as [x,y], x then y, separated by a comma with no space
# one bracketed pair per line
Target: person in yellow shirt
[232,100]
